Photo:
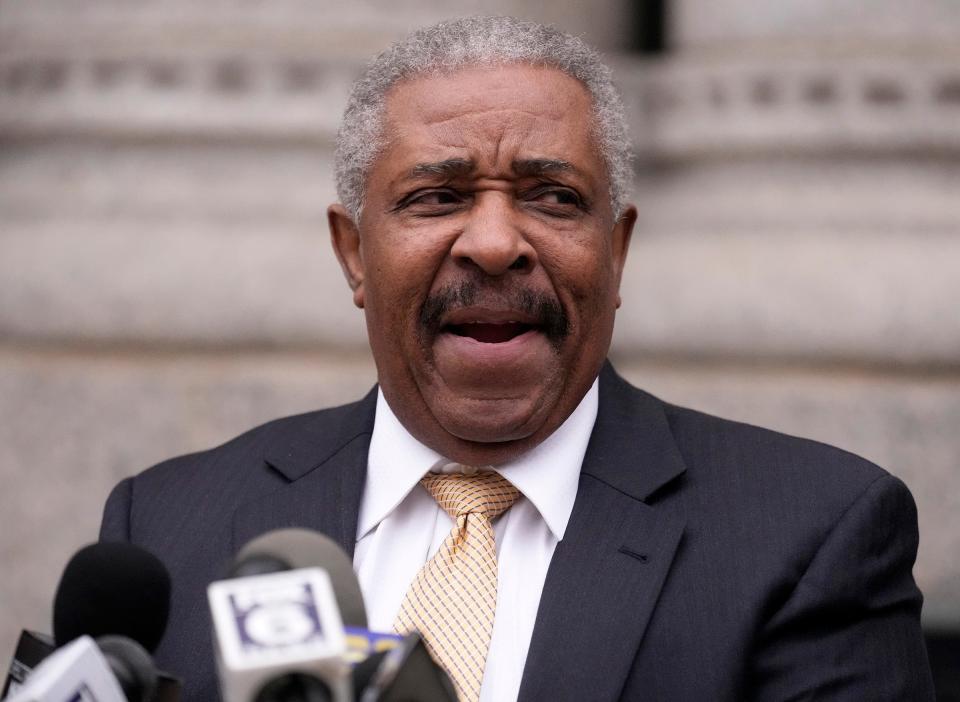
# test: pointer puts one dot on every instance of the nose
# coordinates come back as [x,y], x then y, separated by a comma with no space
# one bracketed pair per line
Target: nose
[493,239]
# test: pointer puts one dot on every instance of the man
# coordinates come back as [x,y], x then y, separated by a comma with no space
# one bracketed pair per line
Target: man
[642,551]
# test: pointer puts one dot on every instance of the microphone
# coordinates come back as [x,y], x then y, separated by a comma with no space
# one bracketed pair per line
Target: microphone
[132,667]
[278,630]
[115,589]
[32,648]
[77,672]
[262,626]
[405,673]
[119,595]
[289,549]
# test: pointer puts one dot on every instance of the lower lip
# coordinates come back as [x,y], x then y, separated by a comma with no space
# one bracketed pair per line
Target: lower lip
[516,350]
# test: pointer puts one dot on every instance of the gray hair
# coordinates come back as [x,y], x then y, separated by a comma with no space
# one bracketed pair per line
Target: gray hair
[476,41]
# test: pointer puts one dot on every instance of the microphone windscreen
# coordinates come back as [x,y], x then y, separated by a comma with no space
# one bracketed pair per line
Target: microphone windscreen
[302,548]
[112,589]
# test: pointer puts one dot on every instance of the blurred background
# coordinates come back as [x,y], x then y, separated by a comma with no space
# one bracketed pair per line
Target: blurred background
[166,279]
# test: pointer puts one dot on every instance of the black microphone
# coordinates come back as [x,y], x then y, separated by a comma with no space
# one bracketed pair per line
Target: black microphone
[32,648]
[114,589]
[118,594]
[406,673]
[363,672]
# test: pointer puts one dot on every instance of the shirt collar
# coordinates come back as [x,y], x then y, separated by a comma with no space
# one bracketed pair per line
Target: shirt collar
[547,475]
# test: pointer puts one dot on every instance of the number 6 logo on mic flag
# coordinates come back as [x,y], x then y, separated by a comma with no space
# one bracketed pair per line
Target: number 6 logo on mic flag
[268,625]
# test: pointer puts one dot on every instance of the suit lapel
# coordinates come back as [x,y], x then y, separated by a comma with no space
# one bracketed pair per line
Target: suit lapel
[325,465]
[606,573]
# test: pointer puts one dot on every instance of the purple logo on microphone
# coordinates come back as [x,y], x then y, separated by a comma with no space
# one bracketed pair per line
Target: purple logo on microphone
[276,616]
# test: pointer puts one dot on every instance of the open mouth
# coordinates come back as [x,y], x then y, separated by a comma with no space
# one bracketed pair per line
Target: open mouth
[492,317]
[489,332]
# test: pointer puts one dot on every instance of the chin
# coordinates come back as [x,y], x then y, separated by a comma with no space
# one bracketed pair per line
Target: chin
[491,422]
[491,435]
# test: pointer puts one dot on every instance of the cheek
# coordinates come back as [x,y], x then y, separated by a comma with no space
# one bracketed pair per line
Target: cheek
[392,296]
[584,275]
[400,269]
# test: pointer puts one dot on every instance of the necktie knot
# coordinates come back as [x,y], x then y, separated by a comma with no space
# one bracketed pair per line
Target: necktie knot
[486,493]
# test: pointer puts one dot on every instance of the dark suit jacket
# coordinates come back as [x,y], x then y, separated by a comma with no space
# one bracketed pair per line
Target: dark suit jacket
[705,560]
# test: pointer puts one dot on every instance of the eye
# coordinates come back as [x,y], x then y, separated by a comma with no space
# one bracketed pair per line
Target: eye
[432,202]
[436,197]
[555,199]
[559,197]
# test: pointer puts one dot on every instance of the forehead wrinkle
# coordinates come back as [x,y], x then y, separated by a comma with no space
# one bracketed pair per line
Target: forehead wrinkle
[490,127]
[494,136]
[498,144]
[507,115]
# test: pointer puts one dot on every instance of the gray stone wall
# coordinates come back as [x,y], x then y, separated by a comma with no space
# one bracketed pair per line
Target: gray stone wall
[166,280]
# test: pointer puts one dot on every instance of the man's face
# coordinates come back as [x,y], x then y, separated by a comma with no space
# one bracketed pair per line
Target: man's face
[486,258]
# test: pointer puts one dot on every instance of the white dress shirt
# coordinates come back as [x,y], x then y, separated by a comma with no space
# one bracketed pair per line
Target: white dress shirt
[401,527]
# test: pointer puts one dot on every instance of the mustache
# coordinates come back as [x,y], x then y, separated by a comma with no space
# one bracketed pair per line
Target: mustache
[549,313]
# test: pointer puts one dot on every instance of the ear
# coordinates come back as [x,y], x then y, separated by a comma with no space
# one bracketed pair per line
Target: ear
[622,231]
[345,237]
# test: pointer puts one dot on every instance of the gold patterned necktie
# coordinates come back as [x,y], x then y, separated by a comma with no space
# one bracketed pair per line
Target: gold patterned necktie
[453,598]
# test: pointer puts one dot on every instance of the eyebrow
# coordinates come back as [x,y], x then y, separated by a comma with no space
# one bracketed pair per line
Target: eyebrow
[541,166]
